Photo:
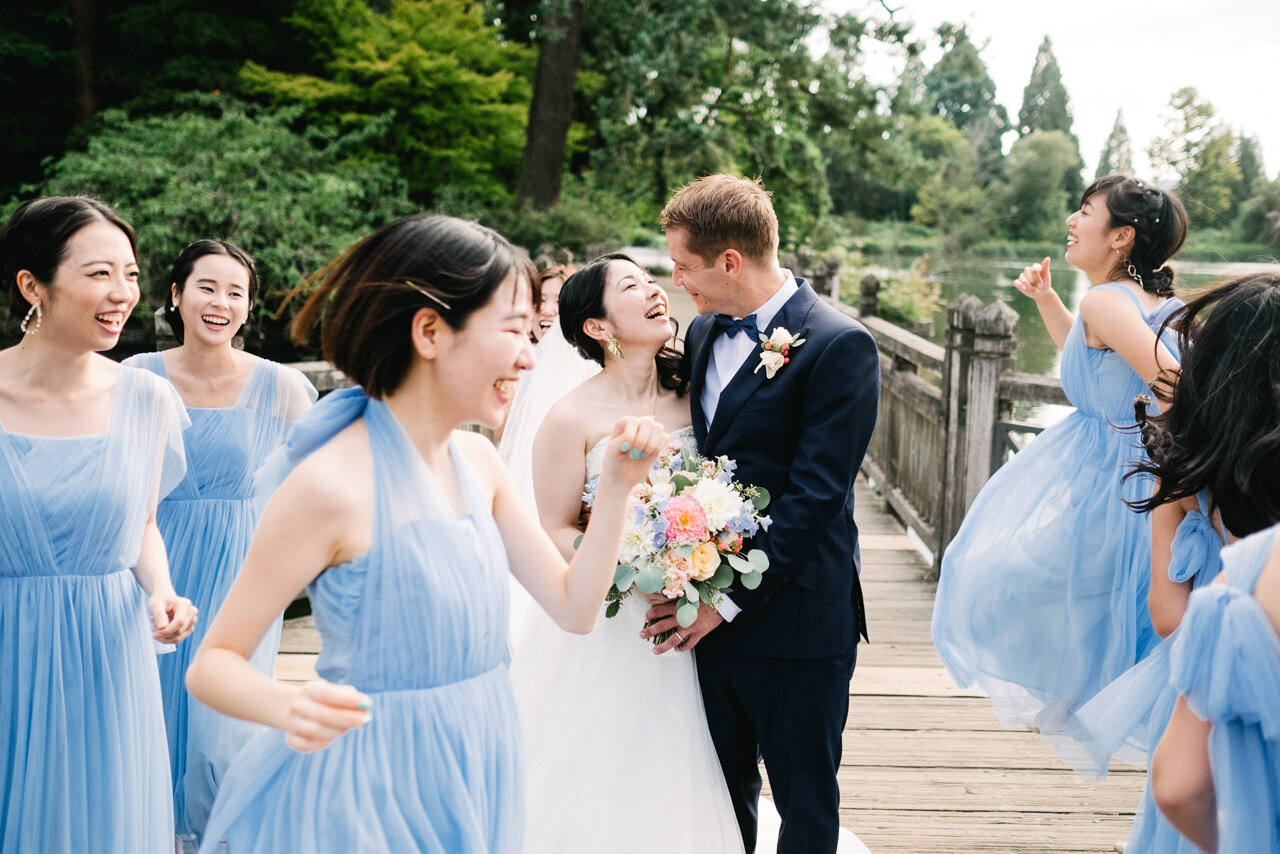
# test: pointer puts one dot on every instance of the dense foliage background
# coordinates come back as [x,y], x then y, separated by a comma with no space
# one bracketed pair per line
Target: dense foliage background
[295,126]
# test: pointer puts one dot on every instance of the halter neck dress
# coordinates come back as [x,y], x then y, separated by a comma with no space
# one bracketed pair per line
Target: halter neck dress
[418,622]
[1226,662]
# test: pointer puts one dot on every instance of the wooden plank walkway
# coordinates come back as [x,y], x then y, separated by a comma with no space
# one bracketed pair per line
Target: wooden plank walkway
[927,767]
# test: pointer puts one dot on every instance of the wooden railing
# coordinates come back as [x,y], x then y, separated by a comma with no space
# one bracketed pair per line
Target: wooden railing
[945,422]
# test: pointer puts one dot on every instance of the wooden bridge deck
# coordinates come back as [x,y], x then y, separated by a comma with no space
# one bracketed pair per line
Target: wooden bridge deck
[926,766]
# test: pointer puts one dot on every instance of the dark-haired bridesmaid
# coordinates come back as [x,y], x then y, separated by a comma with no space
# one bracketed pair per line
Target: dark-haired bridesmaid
[402,528]
[86,446]
[1042,598]
[240,407]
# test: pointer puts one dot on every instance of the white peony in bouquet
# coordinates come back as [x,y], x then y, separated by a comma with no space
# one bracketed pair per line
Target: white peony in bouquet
[685,533]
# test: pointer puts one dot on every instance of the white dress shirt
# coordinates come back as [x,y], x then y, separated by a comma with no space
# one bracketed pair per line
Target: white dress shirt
[727,355]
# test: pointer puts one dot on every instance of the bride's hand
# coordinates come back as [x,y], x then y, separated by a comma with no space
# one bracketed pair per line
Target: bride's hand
[631,450]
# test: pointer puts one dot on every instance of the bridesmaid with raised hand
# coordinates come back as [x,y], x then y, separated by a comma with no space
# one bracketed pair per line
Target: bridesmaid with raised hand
[240,408]
[403,530]
[1042,598]
[86,448]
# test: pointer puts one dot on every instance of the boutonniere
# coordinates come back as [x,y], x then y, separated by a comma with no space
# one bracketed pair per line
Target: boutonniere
[776,351]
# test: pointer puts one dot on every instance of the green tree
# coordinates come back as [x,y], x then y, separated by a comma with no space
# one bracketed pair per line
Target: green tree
[697,86]
[950,199]
[1038,195]
[458,92]
[1047,107]
[1117,152]
[1260,216]
[1197,149]
[1248,157]
[200,173]
[964,92]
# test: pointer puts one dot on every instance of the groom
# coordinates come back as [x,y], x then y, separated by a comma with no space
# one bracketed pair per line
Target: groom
[775,662]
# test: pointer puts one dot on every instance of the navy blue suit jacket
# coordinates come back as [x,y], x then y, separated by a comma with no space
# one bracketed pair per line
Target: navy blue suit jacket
[801,435]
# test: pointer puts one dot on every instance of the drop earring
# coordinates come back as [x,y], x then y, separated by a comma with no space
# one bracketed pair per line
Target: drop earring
[29,328]
[614,346]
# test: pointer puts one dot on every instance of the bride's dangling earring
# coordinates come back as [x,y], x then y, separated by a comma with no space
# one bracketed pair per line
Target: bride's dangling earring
[614,346]
[29,328]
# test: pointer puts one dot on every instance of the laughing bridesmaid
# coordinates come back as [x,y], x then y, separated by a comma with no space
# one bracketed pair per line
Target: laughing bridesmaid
[240,407]
[86,446]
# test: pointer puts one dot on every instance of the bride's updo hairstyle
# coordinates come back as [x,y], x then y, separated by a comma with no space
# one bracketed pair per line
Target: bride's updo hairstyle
[1159,223]
[370,293]
[582,298]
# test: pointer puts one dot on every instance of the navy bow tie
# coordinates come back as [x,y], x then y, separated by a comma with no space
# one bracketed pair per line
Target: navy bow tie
[730,326]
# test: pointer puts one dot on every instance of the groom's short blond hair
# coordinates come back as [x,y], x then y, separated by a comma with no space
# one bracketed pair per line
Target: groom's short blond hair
[722,212]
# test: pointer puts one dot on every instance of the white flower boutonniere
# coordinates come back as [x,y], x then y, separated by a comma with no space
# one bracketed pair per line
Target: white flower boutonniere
[776,351]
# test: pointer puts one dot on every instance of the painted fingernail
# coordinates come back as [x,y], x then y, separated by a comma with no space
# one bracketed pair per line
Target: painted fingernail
[364,705]
[636,453]
[626,445]
[367,717]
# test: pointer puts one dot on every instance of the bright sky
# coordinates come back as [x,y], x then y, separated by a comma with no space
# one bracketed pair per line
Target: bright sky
[1120,54]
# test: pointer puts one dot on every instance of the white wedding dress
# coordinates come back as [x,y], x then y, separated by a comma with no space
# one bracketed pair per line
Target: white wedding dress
[617,755]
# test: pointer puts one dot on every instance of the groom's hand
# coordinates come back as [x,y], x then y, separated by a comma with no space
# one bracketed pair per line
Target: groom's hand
[662,618]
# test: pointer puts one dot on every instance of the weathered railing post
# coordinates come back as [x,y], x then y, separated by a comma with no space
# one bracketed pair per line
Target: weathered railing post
[869,296]
[980,345]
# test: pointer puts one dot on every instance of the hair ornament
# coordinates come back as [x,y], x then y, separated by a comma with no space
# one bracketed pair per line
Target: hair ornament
[426,293]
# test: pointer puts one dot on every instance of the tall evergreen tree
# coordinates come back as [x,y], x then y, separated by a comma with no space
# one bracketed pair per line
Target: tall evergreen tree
[1248,158]
[1197,149]
[1047,107]
[1117,154]
[964,92]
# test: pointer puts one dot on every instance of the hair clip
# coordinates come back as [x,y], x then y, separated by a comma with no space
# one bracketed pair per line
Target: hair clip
[426,293]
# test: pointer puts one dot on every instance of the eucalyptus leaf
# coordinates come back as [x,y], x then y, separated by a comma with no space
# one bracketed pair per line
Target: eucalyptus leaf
[624,576]
[761,498]
[685,550]
[686,614]
[739,562]
[751,580]
[723,577]
[680,482]
[648,579]
[758,559]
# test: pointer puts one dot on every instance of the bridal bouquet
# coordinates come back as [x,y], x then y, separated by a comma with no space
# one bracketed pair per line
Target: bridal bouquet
[685,533]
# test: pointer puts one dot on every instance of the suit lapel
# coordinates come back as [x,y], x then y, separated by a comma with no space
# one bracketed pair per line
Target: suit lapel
[700,346]
[745,382]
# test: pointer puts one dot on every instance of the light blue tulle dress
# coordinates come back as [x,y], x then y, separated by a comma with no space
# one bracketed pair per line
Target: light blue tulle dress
[83,761]
[1042,599]
[207,523]
[419,622]
[1226,662]
[1127,718]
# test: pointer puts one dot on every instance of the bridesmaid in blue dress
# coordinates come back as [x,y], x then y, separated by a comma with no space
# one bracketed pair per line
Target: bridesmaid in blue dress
[86,447]
[402,529]
[1212,453]
[240,407]
[1216,772]
[1042,598]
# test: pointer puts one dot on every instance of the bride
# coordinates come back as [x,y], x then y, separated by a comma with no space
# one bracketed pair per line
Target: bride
[617,753]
